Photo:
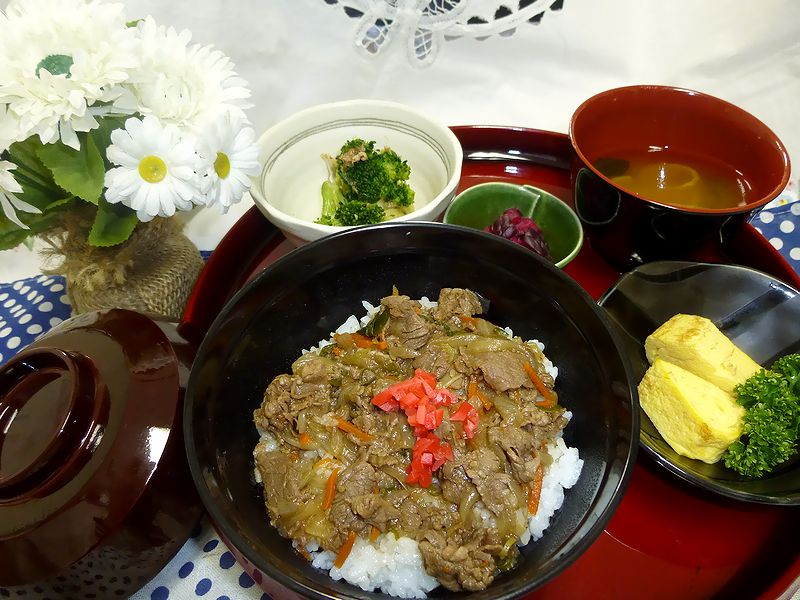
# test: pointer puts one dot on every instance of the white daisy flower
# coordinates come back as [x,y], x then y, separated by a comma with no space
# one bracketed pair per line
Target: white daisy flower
[8,200]
[183,84]
[156,173]
[58,59]
[230,155]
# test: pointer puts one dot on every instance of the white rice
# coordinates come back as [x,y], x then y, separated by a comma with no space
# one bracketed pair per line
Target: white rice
[394,565]
[562,474]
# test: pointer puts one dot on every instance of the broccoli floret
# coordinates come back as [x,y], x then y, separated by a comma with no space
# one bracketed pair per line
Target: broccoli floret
[331,200]
[356,212]
[365,185]
[381,177]
[370,175]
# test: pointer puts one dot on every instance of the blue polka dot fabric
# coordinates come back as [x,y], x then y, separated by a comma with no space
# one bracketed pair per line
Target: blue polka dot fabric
[203,568]
[779,222]
[28,308]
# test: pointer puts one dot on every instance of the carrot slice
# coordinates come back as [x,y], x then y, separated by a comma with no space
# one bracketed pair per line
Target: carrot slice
[330,489]
[373,534]
[549,401]
[361,341]
[474,392]
[348,427]
[487,405]
[304,439]
[535,491]
[345,549]
[304,553]
[467,320]
[382,345]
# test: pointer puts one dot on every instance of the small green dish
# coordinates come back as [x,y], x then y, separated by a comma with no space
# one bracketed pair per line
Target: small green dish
[479,206]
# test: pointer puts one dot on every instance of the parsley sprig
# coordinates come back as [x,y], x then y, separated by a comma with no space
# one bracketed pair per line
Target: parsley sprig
[772,421]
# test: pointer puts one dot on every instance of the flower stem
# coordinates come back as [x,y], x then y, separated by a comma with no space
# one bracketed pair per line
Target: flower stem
[33,177]
[42,187]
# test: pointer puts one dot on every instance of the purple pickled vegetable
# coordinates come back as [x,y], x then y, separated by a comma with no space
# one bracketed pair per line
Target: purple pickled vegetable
[520,230]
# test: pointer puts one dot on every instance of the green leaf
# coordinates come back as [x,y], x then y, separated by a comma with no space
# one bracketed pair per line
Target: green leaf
[112,225]
[102,134]
[60,204]
[42,198]
[10,238]
[11,235]
[56,64]
[25,155]
[79,172]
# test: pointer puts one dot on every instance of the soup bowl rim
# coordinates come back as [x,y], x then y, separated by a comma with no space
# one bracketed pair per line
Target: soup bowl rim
[733,210]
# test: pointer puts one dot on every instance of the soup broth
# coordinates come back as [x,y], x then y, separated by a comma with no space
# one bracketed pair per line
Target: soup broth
[676,179]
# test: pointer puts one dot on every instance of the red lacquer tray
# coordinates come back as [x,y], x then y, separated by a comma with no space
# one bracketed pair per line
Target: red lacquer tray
[667,539]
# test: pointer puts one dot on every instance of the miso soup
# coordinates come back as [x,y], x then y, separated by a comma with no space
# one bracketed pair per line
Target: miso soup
[672,178]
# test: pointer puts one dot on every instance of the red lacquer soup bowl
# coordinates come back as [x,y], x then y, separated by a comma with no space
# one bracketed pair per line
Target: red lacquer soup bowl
[659,170]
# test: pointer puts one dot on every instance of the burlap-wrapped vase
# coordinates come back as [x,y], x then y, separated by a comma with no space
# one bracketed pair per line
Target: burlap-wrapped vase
[153,271]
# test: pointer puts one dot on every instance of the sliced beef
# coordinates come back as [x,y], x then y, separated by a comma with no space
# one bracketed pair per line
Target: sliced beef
[356,480]
[375,510]
[345,520]
[406,326]
[314,369]
[455,483]
[457,565]
[279,475]
[494,485]
[502,370]
[273,468]
[352,509]
[521,450]
[285,397]
[542,425]
[454,302]
[437,359]
[275,413]
[314,394]
[420,511]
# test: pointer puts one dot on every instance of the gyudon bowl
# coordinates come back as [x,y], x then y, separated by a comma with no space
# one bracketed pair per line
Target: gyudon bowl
[306,295]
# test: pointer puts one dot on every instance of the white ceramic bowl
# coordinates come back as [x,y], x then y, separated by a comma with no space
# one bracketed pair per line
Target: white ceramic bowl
[287,190]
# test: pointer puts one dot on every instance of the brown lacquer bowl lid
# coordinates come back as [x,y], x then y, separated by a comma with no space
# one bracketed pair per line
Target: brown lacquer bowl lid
[93,479]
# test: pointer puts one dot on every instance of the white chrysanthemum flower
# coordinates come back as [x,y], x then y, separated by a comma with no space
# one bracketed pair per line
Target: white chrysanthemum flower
[58,59]
[230,155]
[182,84]
[8,200]
[156,173]
[10,130]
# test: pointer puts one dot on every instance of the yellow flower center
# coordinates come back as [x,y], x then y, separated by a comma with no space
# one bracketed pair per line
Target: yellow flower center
[152,169]
[222,165]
